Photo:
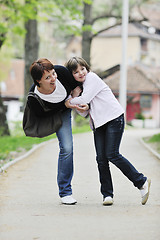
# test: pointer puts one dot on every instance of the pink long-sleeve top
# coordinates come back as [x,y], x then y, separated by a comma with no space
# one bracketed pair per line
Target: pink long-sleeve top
[104,107]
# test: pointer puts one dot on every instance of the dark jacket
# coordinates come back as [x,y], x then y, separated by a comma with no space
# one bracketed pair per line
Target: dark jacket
[69,83]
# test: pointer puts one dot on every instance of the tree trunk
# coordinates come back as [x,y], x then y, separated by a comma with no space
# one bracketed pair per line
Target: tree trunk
[2,39]
[87,35]
[31,51]
[4,130]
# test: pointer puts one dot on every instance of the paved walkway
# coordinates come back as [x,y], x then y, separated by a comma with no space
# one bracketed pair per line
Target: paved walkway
[30,207]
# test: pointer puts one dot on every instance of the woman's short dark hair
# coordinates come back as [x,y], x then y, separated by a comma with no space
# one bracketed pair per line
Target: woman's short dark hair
[73,62]
[38,67]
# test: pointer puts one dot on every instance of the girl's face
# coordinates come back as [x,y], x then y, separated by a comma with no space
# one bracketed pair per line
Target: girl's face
[48,82]
[80,73]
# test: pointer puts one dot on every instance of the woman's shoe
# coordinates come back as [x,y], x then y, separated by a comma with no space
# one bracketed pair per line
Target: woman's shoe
[68,200]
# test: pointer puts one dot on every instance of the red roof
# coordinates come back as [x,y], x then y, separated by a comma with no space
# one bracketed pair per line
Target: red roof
[139,79]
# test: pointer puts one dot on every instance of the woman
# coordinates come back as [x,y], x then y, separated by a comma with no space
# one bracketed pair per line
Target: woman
[53,84]
[107,121]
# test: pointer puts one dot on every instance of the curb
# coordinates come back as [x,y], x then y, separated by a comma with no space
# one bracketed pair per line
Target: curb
[7,165]
[150,149]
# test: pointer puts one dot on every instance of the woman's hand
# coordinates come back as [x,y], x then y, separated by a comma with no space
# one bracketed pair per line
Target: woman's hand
[76,92]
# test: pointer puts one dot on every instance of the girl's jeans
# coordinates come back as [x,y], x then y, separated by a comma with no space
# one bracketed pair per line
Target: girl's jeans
[65,160]
[107,140]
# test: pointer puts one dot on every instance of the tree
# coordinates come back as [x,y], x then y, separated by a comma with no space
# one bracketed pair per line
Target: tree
[110,10]
[12,14]
[83,19]
[4,130]
[87,35]
[31,50]
[31,46]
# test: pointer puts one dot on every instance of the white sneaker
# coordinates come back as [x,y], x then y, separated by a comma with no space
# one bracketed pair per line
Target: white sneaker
[68,200]
[108,201]
[145,191]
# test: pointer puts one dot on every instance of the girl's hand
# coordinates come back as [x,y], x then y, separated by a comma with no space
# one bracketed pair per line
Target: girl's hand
[76,92]
[82,108]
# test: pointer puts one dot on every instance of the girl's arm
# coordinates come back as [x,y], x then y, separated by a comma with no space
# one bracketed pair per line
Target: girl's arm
[91,87]
[81,109]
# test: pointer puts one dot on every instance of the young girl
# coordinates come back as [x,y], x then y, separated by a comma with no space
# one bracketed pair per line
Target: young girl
[107,123]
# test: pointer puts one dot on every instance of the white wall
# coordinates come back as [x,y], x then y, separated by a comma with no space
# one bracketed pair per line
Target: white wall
[13,112]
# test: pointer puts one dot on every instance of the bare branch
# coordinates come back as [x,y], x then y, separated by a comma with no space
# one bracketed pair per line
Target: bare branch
[117,24]
[111,15]
[132,20]
[108,15]
[107,28]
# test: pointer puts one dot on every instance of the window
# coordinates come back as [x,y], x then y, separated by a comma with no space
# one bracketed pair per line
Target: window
[143,44]
[3,86]
[12,74]
[146,101]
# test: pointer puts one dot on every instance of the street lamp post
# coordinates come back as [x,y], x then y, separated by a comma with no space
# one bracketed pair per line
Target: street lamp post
[123,69]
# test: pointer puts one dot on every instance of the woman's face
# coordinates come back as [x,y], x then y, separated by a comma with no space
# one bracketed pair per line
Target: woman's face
[80,73]
[48,82]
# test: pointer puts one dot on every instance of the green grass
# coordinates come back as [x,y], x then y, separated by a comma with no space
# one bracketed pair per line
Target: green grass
[81,129]
[17,143]
[154,138]
[154,142]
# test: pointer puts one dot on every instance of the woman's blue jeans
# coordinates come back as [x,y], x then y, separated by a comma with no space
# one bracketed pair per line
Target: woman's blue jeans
[107,140]
[65,160]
